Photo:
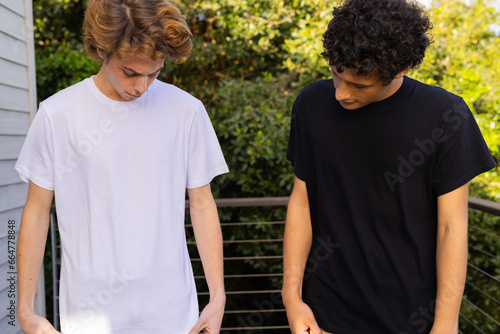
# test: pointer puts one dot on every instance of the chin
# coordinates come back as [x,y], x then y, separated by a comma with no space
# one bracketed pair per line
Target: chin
[351,106]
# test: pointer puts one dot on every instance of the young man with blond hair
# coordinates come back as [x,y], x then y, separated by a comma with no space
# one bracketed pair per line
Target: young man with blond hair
[382,164]
[118,151]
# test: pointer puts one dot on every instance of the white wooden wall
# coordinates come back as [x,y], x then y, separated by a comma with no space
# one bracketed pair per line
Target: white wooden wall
[17,108]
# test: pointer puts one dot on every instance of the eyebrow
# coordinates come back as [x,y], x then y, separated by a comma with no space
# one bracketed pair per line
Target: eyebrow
[137,73]
[352,83]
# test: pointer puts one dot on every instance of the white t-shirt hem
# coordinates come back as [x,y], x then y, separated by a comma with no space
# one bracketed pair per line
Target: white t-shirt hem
[208,179]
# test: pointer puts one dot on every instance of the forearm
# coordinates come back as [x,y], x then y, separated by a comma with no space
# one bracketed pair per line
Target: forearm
[206,226]
[30,250]
[451,260]
[296,245]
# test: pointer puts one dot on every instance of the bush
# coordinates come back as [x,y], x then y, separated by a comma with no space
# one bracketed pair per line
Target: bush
[60,66]
[252,119]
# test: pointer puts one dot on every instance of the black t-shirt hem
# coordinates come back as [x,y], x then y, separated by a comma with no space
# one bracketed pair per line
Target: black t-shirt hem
[337,330]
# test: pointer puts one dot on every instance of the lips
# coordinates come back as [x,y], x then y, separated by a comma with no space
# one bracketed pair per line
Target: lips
[132,96]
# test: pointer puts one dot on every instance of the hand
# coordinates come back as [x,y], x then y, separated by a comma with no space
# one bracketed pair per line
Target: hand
[32,323]
[301,319]
[210,318]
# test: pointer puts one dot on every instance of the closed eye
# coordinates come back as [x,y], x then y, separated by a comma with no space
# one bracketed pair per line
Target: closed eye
[133,74]
[129,75]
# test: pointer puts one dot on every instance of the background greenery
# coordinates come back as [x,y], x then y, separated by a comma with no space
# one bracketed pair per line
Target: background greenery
[250,60]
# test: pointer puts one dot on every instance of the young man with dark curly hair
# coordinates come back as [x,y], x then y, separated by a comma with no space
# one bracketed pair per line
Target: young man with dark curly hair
[376,230]
[118,151]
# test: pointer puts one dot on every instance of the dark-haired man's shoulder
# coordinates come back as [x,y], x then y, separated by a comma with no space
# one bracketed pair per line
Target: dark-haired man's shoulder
[434,93]
[322,90]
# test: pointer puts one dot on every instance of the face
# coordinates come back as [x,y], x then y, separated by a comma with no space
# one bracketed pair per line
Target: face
[126,79]
[354,92]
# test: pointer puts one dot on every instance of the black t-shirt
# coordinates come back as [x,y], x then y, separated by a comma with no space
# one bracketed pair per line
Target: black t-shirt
[373,176]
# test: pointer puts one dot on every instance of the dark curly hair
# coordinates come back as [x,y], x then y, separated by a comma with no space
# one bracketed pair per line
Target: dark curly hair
[377,36]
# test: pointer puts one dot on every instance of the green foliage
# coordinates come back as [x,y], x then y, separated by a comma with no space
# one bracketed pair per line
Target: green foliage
[253,123]
[60,66]
[305,44]
[235,39]
[57,21]
[60,57]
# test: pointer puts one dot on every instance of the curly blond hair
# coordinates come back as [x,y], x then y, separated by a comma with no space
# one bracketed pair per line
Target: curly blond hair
[153,28]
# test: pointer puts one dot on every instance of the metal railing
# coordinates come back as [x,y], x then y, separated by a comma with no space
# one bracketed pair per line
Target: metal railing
[253,273]
[480,311]
[254,256]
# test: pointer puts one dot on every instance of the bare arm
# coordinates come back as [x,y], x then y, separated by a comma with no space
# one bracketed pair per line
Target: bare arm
[208,236]
[30,249]
[296,248]
[451,258]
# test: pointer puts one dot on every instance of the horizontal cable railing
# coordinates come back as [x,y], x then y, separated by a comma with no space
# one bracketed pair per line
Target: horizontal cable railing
[484,205]
[480,311]
[253,277]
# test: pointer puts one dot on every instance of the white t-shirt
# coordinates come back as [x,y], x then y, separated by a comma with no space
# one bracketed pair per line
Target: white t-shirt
[120,172]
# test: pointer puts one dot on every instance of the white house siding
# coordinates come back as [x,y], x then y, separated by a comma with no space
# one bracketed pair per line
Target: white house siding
[17,108]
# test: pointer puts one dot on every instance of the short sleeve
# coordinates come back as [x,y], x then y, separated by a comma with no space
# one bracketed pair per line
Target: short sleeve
[293,153]
[36,160]
[205,158]
[462,153]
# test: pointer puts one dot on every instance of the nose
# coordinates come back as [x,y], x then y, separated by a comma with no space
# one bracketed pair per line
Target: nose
[141,84]
[342,92]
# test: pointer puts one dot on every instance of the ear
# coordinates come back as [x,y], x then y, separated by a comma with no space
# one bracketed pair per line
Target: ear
[101,54]
[403,73]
